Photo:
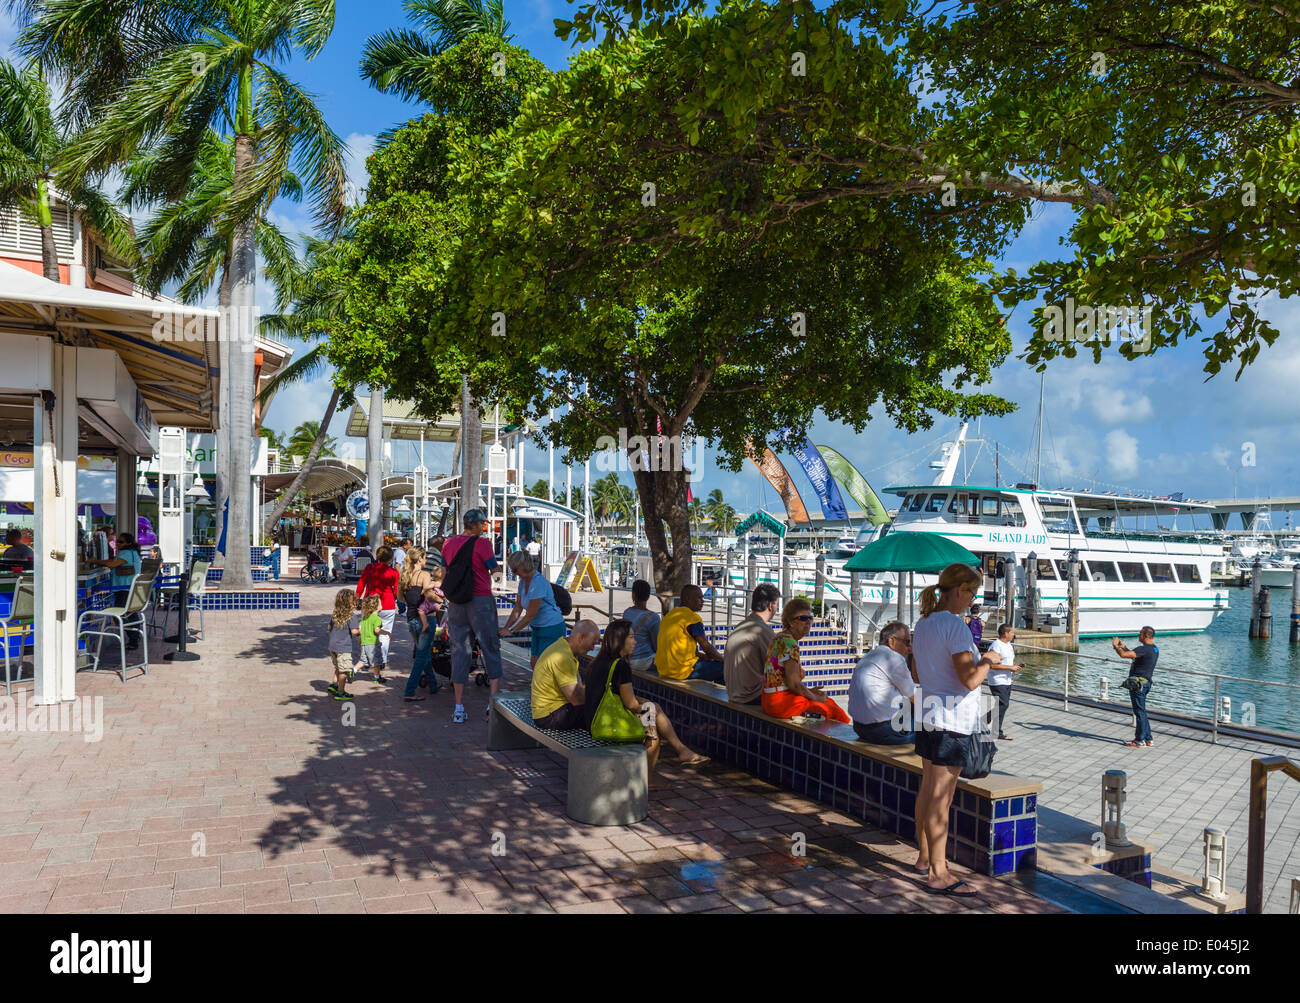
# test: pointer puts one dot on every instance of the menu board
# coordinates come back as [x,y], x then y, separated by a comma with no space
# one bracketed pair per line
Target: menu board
[566,572]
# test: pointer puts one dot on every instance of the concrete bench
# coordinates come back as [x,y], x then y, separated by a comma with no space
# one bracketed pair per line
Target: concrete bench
[609,784]
[993,825]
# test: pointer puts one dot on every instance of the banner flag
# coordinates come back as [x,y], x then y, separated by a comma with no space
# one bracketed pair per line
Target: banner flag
[822,481]
[772,468]
[856,485]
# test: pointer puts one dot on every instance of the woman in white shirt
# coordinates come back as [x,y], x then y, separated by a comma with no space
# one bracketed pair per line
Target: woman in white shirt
[949,671]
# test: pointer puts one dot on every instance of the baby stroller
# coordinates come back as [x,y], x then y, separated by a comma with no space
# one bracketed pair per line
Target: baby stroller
[441,655]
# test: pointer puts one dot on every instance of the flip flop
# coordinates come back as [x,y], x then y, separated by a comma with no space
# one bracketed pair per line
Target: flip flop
[412,699]
[695,760]
[952,890]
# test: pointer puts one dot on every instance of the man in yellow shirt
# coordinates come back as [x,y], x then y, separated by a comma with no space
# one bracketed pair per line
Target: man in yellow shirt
[682,641]
[557,693]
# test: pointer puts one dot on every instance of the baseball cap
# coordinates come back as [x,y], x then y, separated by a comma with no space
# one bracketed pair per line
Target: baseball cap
[474,515]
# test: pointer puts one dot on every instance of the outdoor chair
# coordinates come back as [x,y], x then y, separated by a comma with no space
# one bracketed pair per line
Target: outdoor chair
[359,567]
[170,598]
[19,623]
[118,621]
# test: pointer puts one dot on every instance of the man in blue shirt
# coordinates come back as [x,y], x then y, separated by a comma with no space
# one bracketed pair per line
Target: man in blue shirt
[1139,681]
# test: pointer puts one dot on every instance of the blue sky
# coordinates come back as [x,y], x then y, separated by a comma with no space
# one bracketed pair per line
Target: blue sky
[1149,425]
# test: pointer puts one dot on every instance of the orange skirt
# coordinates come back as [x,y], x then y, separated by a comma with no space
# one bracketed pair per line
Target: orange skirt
[786,704]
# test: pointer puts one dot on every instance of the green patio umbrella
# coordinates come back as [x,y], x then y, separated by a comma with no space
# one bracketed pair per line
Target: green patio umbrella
[906,551]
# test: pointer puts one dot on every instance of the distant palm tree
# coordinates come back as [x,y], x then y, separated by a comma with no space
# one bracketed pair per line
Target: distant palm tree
[724,519]
[397,62]
[274,440]
[34,153]
[302,438]
[695,511]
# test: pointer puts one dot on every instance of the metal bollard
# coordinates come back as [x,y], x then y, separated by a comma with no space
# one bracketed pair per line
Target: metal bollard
[1105,689]
[1113,796]
[1227,710]
[1214,884]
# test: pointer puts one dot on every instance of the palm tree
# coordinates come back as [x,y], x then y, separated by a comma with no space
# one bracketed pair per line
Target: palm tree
[304,437]
[724,519]
[695,512]
[155,74]
[396,61]
[317,306]
[274,440]
[33,154]
[604,497]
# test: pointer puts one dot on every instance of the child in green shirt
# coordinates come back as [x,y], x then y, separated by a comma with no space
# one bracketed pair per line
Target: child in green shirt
[371,629]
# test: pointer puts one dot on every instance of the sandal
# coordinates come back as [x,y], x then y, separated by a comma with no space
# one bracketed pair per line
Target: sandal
[695,760]
[952,890]
[413,699]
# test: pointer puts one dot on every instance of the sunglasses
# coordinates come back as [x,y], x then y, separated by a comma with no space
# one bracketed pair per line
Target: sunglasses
[804,617]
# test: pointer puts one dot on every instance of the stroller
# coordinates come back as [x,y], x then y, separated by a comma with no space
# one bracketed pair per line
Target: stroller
[441,655]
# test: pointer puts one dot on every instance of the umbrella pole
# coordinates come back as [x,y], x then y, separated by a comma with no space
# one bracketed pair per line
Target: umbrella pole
[911,600]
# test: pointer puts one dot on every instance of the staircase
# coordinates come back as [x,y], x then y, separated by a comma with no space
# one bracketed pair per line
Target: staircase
[824,653]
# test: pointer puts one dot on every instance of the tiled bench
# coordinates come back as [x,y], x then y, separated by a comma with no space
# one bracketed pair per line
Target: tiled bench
[993,825]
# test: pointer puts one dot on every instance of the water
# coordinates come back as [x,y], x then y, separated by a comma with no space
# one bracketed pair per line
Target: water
[1223,648]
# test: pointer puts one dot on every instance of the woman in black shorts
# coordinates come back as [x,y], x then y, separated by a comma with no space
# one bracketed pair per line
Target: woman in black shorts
[949,671]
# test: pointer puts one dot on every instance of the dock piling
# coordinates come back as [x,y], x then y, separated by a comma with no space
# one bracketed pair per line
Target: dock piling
[855,600]
[1072,615]
[1295,603]
[1031,591]
[1265,618]
[1008,589]
[1255,575]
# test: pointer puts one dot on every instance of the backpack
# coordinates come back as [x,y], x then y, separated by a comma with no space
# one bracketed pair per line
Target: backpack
[562,599]
[458,586]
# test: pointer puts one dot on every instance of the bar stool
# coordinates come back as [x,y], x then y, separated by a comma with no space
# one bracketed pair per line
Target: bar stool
[19,623]
[170,598]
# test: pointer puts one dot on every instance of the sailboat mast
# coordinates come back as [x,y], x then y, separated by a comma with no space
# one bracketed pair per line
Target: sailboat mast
[1038,462]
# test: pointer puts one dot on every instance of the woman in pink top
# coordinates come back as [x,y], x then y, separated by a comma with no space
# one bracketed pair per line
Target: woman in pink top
[380,579]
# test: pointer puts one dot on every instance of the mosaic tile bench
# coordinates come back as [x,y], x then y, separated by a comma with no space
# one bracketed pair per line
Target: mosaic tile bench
[993,826]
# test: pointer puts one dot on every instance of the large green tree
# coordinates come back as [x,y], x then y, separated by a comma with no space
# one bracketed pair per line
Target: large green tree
[33,154]
[502,253]
[404,61]
[155,75]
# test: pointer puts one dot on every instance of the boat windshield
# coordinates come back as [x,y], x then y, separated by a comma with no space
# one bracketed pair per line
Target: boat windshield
[1058,515]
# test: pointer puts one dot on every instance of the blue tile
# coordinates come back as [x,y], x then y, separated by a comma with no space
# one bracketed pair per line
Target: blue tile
[889,797]
[1026,859]
[966,825]
[906,803]
[873,790]
[1001,808]
[907,827]
[1031,803]
[1025,832]
[1004,836]
[1003,863]
[1017,806]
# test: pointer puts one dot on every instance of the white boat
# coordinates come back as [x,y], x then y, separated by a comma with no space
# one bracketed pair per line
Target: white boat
[846,546]
[1127,579]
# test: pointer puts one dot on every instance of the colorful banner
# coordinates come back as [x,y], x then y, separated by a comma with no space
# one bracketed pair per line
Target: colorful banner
[822,481]
[771,468]
[856,485]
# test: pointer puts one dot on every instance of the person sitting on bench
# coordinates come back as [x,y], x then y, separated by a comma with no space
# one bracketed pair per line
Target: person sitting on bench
[685,651]
[558,696]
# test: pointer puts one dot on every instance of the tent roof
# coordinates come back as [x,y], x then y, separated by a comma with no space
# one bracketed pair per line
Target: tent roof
[764,520]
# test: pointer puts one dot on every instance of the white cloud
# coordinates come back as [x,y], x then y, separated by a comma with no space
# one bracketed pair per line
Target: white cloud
[1121,453]
[1120,407]
[359,147]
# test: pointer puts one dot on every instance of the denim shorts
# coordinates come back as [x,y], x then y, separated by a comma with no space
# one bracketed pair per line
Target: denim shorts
[942,748]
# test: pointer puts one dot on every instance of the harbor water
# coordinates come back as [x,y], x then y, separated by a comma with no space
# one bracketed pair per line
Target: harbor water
[1224,648]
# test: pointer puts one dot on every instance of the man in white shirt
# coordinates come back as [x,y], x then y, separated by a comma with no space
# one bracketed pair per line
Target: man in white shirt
[1000,676]
[881,686]
[535,552]
[338,559]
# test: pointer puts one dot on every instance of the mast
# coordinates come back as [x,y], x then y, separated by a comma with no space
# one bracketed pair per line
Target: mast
[1038,463]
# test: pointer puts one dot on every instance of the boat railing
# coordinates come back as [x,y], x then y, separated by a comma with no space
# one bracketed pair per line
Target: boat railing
[1216,716]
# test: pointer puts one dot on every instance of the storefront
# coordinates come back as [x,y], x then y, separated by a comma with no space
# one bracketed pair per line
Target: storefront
[88,374]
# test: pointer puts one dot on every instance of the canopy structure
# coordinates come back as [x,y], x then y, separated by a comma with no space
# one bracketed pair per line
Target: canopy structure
[924,552]
[763,520]
[401,422]
[329,477]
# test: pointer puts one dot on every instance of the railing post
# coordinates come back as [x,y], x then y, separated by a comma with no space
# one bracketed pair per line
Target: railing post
[1067,681]
[855,618]
[609,589]
[1105,690]
[1255,837]
[1031,591]
[751,576]
[819,583]
[1214,713]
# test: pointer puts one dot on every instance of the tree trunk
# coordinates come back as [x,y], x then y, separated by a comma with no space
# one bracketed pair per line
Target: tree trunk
[471,451]
[239,572]
[296,484]
[663,500]
[374,467]
[223,404]
[45,220]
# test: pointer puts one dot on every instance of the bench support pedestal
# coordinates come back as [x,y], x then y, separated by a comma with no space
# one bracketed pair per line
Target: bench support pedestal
[609,785]
[503,735]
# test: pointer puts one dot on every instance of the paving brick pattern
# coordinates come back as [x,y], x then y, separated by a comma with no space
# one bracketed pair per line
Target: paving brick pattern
[234,784]
[1175,789]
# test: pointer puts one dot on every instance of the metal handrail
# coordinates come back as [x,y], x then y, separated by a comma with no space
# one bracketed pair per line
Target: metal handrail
[1217,677]
[1259,771]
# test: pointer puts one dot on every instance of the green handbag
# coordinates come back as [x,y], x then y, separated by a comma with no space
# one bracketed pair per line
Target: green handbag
[613,721]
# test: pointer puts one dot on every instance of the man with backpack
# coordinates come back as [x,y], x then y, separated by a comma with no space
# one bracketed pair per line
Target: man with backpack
[471,606]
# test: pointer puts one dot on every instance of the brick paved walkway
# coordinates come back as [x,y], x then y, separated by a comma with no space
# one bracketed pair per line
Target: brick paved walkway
[232,784]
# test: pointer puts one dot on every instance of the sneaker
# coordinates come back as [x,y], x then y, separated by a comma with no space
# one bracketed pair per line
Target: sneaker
[1147,745]
[332,689]
[1135,745]
[342,695]
[458,716]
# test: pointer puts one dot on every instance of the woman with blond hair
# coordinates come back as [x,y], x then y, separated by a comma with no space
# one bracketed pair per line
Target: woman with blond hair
[949,671]
[412,580]
[784,692]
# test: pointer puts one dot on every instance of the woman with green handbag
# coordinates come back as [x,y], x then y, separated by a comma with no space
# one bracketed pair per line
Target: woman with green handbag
[614,713]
